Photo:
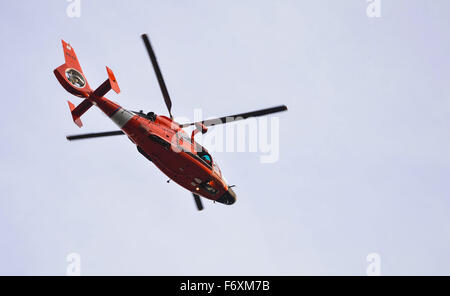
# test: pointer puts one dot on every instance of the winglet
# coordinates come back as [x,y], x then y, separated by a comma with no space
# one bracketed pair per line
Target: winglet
[110,83]
[112,80]
[79,110]
[77,120]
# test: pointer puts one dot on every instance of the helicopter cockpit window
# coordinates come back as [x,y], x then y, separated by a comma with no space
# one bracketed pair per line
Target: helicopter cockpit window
[205,157]
[217,169]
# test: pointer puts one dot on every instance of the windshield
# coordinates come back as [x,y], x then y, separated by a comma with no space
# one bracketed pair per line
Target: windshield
[217,169]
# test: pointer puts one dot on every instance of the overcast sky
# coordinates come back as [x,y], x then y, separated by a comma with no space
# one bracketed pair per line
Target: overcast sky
[364,162]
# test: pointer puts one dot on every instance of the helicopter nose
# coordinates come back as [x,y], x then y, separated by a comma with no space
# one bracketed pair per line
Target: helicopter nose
[228,198]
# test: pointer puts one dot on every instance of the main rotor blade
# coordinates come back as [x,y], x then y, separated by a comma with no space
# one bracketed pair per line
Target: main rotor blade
[94,135]
[235,117]
[198,201]
[158,73]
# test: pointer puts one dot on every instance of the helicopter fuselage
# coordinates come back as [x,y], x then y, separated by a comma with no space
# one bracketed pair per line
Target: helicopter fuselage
[162,141]
[158,138]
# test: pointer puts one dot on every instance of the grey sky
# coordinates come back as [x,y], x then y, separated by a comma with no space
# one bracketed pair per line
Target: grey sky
[364,148]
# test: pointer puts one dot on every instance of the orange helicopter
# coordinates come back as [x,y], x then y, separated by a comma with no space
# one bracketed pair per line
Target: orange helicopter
[158,138]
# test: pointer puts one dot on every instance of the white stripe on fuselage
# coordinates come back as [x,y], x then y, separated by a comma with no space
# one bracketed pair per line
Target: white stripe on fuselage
[121,117]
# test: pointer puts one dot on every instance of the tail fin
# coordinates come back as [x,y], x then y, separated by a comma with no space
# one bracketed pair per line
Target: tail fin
[70,74]
[71,57]
[72,78]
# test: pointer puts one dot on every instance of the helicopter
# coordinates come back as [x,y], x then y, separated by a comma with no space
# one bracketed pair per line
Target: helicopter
[160,139]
